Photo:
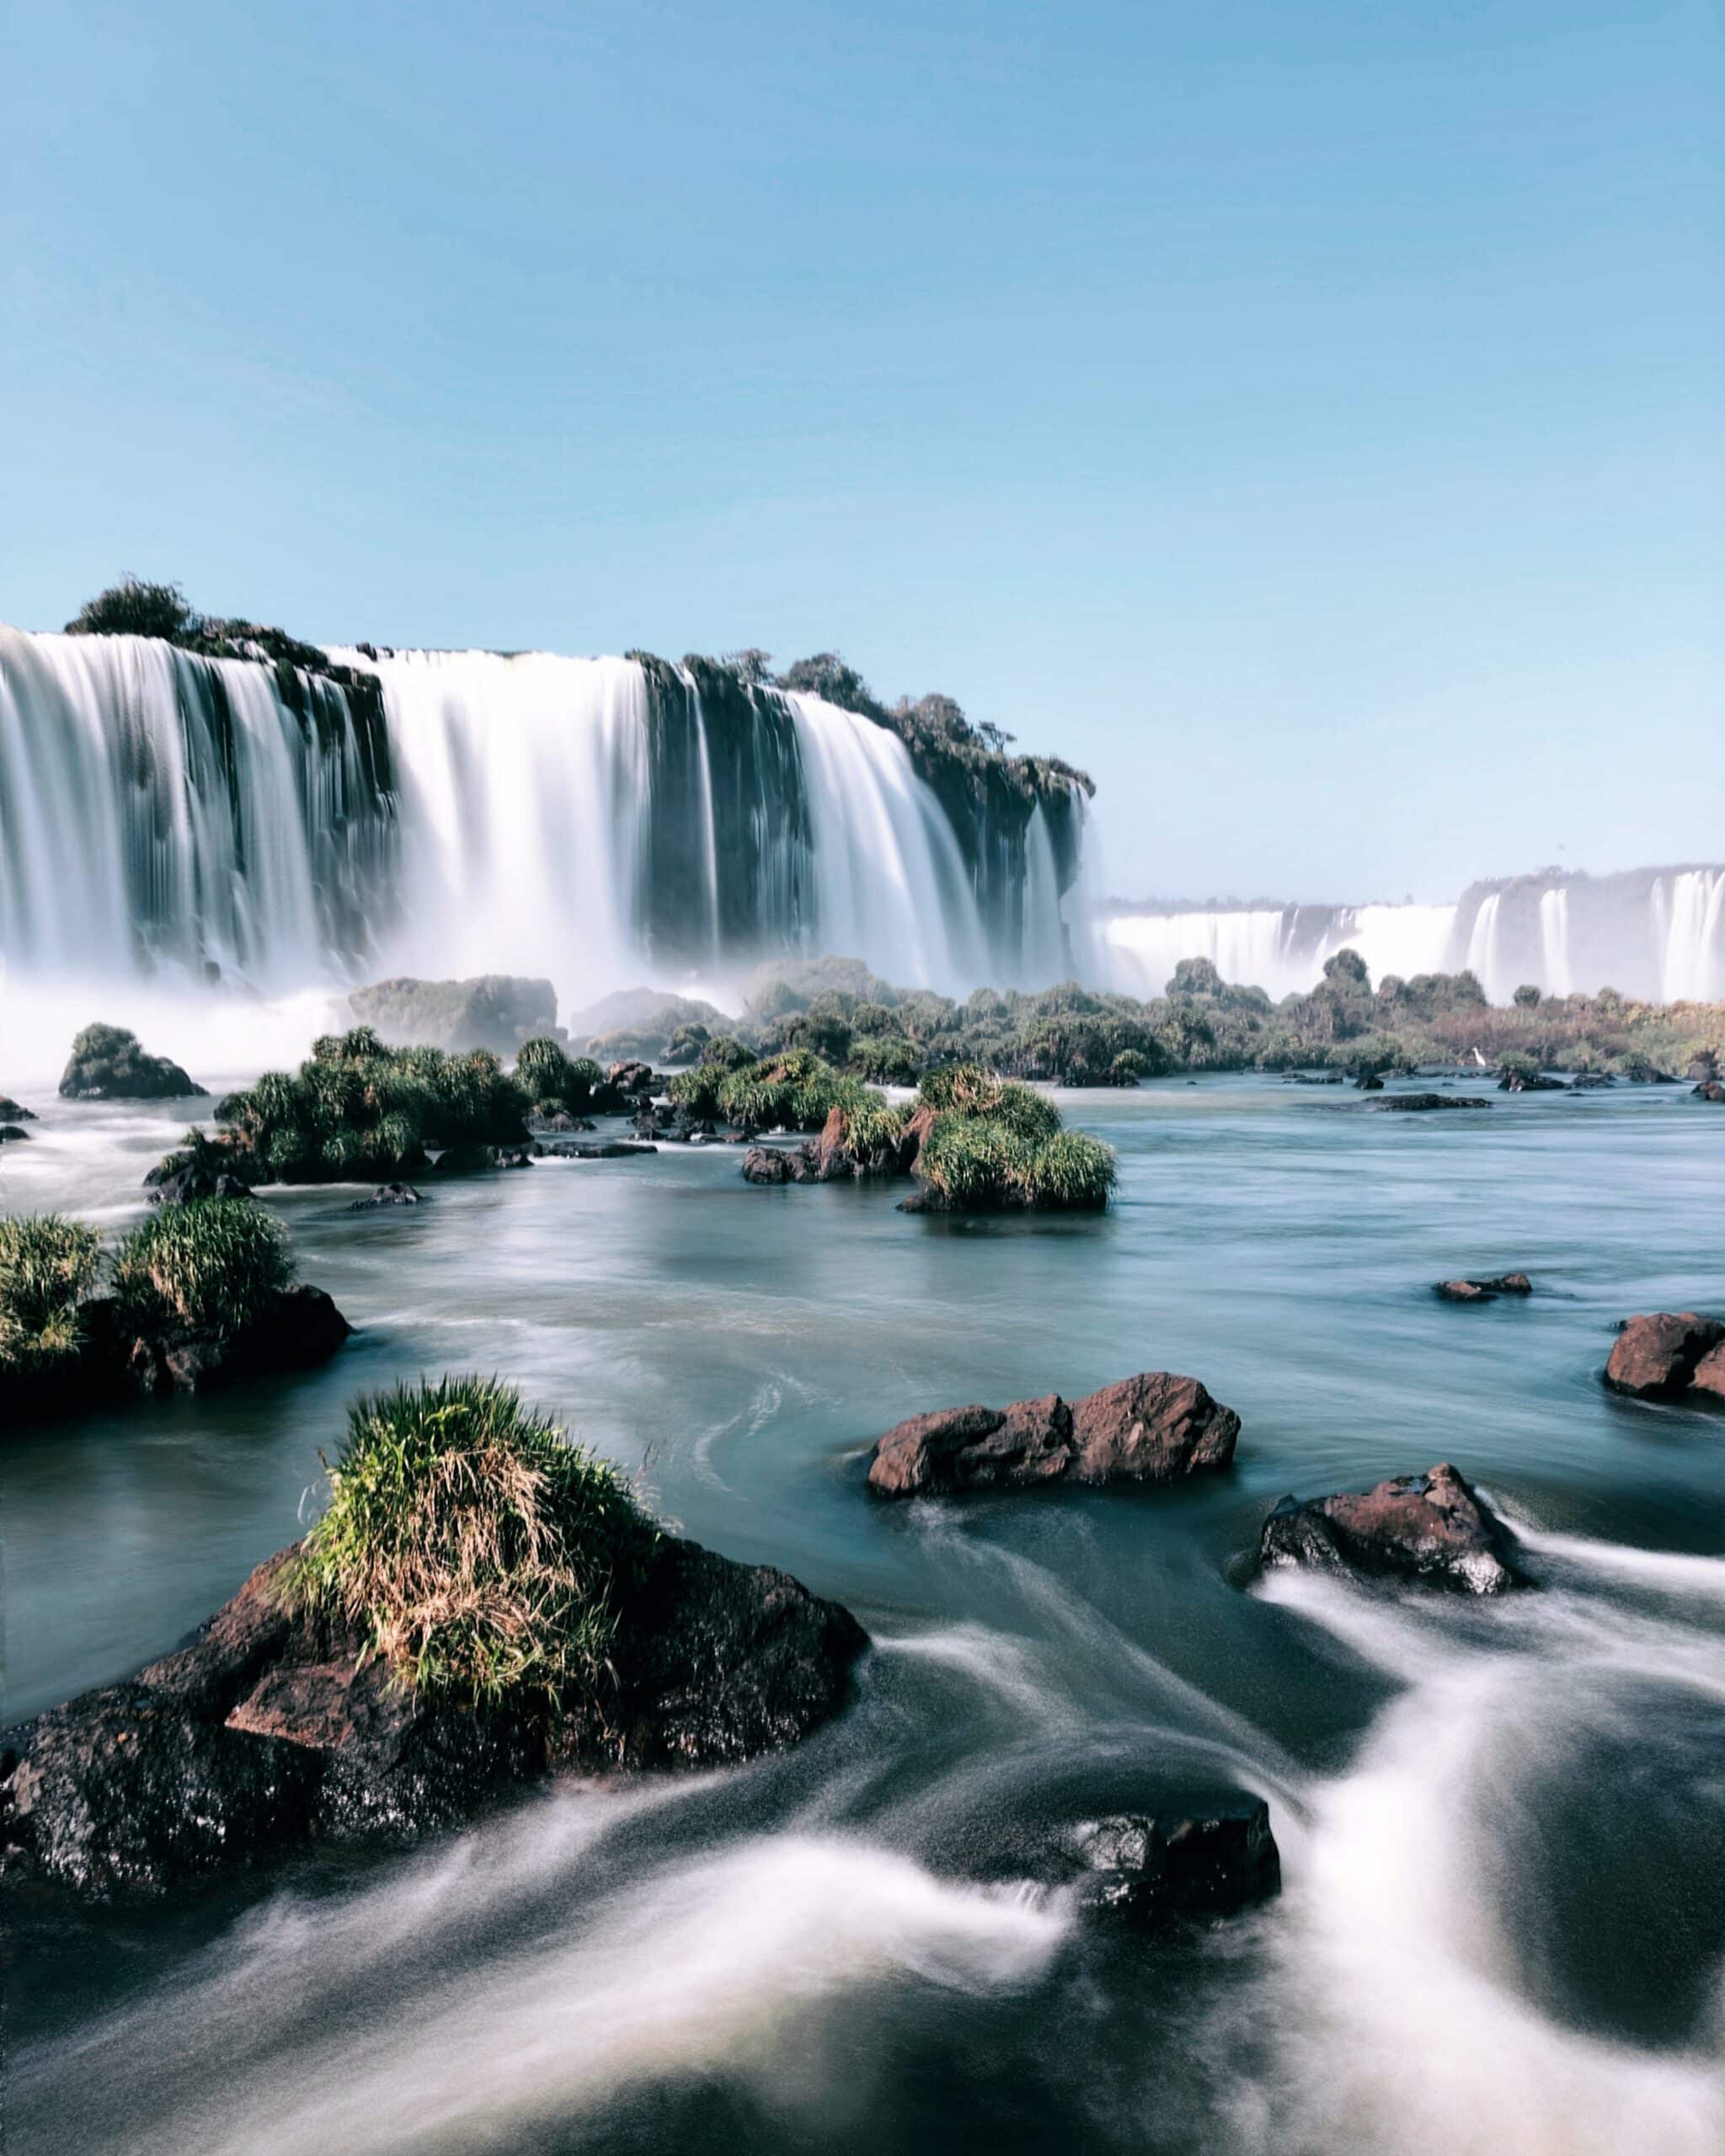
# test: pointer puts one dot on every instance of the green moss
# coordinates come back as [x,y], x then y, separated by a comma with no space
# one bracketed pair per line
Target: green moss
[475,1552]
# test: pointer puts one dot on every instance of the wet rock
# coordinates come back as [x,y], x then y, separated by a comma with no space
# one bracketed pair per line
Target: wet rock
[632,1079]
[1529,1081]
[1432,1528]
[1655,1356]
[1708,1375]
[1155,1427]
[1486,1291]
[196,1179]
[1419,1103]
[1312,1078]
[614,1148]
[549,1120]
[1369,1081]
[1710,1089]
[772,1164]
[271,1731]
[1149,1870]
[297,1329]
[388,1193]
[107,1064]
[472,1159]
[11,1133]
[1591,1081]
[12,1111]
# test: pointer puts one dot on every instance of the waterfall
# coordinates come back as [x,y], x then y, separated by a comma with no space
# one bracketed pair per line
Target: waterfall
[1657,935]
[165,814]
[165,817]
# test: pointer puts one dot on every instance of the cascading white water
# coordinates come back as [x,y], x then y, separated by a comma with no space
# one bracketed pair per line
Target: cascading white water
[166,816]
[1483,947]
[1280,949]
[1690,908]
[1558,974]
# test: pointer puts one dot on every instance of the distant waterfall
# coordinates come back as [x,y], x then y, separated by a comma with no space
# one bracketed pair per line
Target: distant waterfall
[169,816]
[1657,935]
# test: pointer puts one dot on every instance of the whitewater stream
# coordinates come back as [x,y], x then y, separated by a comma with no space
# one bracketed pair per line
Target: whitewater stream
[1502,1825]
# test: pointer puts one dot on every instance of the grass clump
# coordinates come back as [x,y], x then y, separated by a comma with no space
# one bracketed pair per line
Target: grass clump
[1071,1173]
[357,1110]
[47,1267]
[996,1144]
[968,1089]
[209,1266]
[974,1164]
[475,1550]
[791,1090]
[548,1077]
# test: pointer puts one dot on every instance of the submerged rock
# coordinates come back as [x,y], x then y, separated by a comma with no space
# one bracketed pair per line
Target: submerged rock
[1486,1291]
[107,1064]
[1658,1356]
[1432,1528]
[1155,1427]
[269,1731]
[1418,1103]
[11,1133]
[1710,1089]
[388,1193]
[14,1112]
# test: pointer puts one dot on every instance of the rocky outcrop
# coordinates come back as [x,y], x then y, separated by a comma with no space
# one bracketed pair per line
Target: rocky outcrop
[388,1194]
[470,1160]
[107,1064]
[11,1112]
[1710,1089]
[119,1359]
[191,1180]
[1418,1103]
[1529,1081]
[1150,1870]
[1486,1291]
[13,1133]
[271,1731]
[494,1011]
[1432,1529]
[1660,1356]
[634,1081]
[1155,1427]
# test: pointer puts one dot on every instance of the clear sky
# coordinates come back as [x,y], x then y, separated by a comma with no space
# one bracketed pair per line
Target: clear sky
[1307,416]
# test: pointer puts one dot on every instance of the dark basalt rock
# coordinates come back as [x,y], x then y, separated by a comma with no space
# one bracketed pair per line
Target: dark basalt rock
[550,1121]
[1591,1081]
[268,1731]
[472,1159]
[633,1079]
[1419,1103]
[614,1148]
[1486,1291]
[774,1164]
[1432,1528]
[108,1065]
[1149,1870]
[1710,1089]
[14,1112]
[197,1179]
[1529,1081]
[1369,1081]
[1313,1078]
[11,1133]
[1659,1356]
[388,1193]
[297,1329]
[1156,1428]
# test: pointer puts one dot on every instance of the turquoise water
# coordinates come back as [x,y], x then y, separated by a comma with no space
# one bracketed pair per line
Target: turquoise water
[1503,1827]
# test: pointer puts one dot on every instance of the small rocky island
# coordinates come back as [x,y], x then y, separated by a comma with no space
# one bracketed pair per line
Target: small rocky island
[1432,1530]
[481,1604]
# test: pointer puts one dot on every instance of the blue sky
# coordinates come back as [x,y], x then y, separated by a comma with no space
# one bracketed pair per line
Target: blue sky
[1305,416]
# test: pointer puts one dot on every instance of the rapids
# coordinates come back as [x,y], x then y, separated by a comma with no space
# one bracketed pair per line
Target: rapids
[1502,1825]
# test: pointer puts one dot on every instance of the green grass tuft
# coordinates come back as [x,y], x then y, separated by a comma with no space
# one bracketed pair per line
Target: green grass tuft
[47,1266]
[208,1266]
[478,1553]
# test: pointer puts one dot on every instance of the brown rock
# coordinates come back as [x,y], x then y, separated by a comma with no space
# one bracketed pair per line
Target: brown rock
[1708,1374]
[1149,1429]
[1656,1355]
[1432,1528]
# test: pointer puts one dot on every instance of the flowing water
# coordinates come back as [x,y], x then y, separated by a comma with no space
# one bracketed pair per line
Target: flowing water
[1502,1825]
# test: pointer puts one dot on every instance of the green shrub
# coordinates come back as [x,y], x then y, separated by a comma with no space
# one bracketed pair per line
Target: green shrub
[724,1052]
[133,608]
[1128,1067]
[544,1072]
[209,1266]
[974,1164]
[1071,1173]
[477,1552]
[888,1059]
[792,1091]
[966,1089]
[47,1266]
[686,1044]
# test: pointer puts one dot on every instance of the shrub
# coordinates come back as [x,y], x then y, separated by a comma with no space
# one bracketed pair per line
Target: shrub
[1128,1067]
[888,1059]
[47,1266]
[1527,997]
[686,1044]
[725,1052]
[108,1064]
[545,1072]
[477,1552]
[209,1266]
[1071,1173]
[974,1164]
[966,1089]
[789,1092]
[133,608]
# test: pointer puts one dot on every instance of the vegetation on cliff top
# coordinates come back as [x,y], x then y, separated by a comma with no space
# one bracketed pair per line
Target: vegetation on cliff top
[478,1553]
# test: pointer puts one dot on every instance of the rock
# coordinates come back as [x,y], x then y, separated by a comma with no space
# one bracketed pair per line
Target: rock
[769,1165]
[1152,1428]
[1484,1291]
[1432,1528]
[474,1159]
[615,1149]
[1708,1375]
[494,1011]
[1655,1356]
[389,1194]
[1710,1089]
[14,1113]
[543,1120]
[297,1329]
[1149,1870]
[1529,1081]
[1418,1103]
[1369,1081]
[107,1064]
[633,1079]
[10,1133]
[269,1731]
[196,1179]
[1591,1081]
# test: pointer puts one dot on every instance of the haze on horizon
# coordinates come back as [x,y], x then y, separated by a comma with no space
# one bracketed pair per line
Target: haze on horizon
[1308,424]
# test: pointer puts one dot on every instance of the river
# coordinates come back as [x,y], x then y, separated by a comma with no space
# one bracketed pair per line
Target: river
[1502,1825]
